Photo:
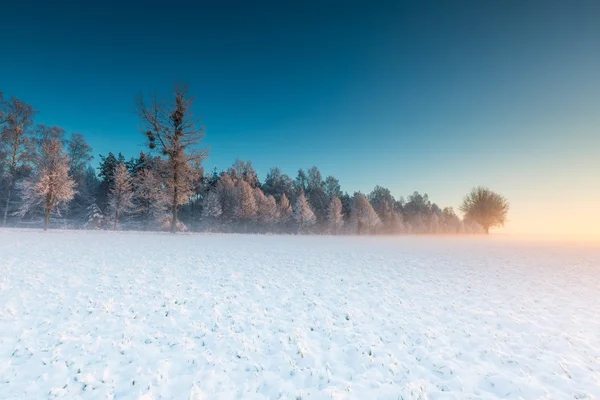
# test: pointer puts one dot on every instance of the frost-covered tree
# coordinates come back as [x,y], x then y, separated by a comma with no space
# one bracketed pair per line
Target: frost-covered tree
[487,208]
[364,216]
[303,214]
[172,128]
[226,190]
[383,202]
[335,215]
[267,212]
[50,186]
[120,198]
[211,209]
[450,221]
[149,197]
[244,170]
[94,217]
[16,141]
[397,223]
[284,210]
[246,208]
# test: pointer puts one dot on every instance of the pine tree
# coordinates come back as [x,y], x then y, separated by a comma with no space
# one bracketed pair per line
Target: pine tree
[50,186]
[94,217]
[335,215]
[303,214]
[120,199]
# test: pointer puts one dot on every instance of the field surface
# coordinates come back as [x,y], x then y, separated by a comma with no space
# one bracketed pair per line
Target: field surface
[96,315]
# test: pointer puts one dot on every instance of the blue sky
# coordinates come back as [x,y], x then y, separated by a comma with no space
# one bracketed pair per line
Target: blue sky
[429,96]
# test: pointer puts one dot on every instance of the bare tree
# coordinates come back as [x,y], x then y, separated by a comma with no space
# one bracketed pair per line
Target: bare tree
[51,184]
[16,140]
[485,207]
[172,129]
[120,198]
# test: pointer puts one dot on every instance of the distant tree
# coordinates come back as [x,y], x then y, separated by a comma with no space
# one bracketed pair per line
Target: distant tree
[106,173]
[120,198]
[172,129]
[335,215]
[487,208]
[301,182]
[226,190]
[451,222]
[80,154]
[51,185]
[303,214]
[149,197]
[246,204]
[211,209]
[277,184]
[383,202]
[94,217]
[363,214]
[332,187]
[284,209]
[267,212]
[245,171]
[16,140]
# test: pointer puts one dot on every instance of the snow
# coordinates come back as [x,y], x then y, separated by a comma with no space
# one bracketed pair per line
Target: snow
[87,314]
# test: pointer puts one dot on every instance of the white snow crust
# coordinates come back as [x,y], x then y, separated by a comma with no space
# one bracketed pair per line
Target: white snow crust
[124,315]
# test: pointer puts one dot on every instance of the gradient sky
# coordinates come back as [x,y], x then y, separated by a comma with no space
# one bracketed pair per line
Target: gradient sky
[429,96]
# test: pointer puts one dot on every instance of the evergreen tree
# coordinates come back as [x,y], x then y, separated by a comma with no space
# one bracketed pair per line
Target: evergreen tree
[303,214]
[120,199]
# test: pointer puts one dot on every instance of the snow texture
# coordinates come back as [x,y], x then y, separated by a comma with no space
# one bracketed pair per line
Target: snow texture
[97,315]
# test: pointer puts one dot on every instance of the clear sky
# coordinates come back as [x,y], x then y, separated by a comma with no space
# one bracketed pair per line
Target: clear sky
[420,95]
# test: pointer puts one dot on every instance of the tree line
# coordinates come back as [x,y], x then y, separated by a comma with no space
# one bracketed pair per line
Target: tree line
[46,179]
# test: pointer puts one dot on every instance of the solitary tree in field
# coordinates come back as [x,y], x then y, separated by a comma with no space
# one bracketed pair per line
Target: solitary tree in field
[50,184]
[120,198]
[171,128]
[487,208]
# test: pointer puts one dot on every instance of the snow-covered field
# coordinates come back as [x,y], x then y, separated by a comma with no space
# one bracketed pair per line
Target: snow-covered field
[155,316]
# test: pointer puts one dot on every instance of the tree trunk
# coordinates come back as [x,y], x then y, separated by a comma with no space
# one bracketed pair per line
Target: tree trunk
[487,230]
[115,222]
[10,189]
[47,218]
[174,208]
